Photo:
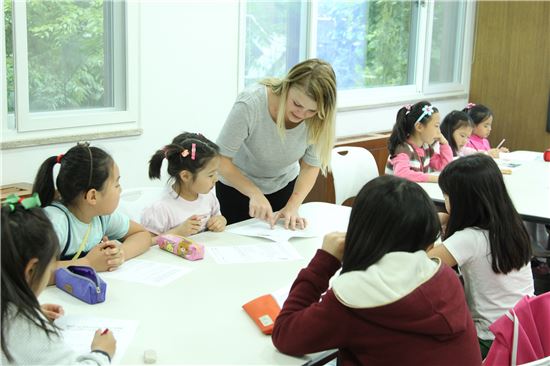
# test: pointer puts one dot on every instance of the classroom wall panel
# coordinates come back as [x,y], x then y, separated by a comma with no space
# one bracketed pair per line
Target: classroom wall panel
[511,70]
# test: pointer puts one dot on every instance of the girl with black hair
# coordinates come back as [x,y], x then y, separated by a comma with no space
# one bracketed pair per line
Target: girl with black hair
[83,209]
[189,205]
[485,236]
[412,144]
[457,128]
[29,252]
[391,303]
[483,121]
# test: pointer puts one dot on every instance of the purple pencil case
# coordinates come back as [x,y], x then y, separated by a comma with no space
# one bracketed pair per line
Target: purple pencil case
[82,282]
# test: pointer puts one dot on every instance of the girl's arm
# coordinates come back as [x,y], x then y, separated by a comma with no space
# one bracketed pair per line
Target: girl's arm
[445,156]
[259,205]
[304,322]
[402,168]
[442,253]
[136,241]
[304,184]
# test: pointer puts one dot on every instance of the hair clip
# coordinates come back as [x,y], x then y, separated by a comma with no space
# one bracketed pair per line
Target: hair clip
[58,159]
[193,151]
[427,110]
[185,153]
[83,143]
[470,106]
[27,203]
[408,108]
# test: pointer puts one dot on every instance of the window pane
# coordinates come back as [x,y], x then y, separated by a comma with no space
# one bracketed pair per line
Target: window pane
[8,16]
[273,38]
[69,60]
[447,41]
[369,43]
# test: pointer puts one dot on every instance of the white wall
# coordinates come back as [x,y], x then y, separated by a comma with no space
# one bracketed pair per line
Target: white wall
[188,69]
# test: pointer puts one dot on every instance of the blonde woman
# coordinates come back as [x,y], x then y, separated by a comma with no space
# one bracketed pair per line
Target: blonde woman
[277,137]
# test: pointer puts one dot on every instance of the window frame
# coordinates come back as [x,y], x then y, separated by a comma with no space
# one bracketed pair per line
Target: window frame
[367,98]
[26,128]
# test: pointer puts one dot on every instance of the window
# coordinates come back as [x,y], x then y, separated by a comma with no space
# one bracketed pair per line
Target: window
[380,50]
[66,65]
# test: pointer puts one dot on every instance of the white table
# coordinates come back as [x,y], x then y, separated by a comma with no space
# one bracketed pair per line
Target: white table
[198,319]
[528,186]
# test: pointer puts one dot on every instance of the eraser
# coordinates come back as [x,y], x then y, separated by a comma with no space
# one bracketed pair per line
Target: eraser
[149,356]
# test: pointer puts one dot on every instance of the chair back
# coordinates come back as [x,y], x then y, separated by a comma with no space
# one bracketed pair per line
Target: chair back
[134,200]
[352,167]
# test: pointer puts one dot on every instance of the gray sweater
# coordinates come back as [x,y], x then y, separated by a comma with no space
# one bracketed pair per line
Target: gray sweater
[28,344]
[250,137]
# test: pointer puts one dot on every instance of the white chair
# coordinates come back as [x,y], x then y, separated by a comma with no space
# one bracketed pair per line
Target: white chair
[352,167]
[134,200]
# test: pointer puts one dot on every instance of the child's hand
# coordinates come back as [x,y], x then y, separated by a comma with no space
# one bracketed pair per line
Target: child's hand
[114,252]
[442,140]
[216,223]
[190,226]
[334,244]
[504,149]
[104,342]
[494,153]
[97,257]
[52,311]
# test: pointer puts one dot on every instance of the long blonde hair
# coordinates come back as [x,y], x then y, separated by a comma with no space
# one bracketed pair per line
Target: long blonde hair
[317,80]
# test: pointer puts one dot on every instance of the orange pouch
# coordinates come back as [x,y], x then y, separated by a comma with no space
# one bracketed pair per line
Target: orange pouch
[263,310]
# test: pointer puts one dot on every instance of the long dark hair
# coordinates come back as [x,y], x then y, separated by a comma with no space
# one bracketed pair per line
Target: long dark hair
[26,234]
[479,198]
[390,214]
[82,168]
[404,124]
[205,150]
[452,122]
[478,113]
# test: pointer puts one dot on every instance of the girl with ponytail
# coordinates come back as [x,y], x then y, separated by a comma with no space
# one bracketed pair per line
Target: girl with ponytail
[189,205]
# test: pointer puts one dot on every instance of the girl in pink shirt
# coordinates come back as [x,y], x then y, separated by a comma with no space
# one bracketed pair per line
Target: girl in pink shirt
[190,205]
[416,144]
[483,121]
[457,128]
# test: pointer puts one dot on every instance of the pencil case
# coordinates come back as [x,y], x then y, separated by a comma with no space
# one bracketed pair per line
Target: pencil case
[181,246]
[82,282]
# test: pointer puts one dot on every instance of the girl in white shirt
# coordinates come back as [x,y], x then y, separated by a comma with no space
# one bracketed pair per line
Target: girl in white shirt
[190,205]
[485,236]
[29,251]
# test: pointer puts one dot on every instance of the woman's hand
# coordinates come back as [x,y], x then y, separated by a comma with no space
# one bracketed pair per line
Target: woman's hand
[52,311]
[260,208]
[291,218]
[334,244]
[104,342]
[216,223]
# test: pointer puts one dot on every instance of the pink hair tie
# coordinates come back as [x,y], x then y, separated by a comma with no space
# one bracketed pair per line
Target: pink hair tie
[408,108]
[58,159]
[470,106]
[193,151]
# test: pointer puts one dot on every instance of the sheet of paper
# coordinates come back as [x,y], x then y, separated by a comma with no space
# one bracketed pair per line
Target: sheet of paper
[78,332]
[521,156]
[281,295]
[256,253]
[147,272]
[261,229]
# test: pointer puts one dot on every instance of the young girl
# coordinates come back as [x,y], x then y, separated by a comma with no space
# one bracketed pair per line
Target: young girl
[29,252]
[411,144]
[83,213]
[190,205]
[389,293]
[483,120]
[486,238]
[457,127]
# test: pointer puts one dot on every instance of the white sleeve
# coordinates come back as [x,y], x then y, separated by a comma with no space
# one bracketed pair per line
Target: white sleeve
[463,246]
[155,219]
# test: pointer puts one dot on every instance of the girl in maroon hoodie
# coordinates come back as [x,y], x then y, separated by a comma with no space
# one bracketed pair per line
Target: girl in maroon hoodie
[391,303]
